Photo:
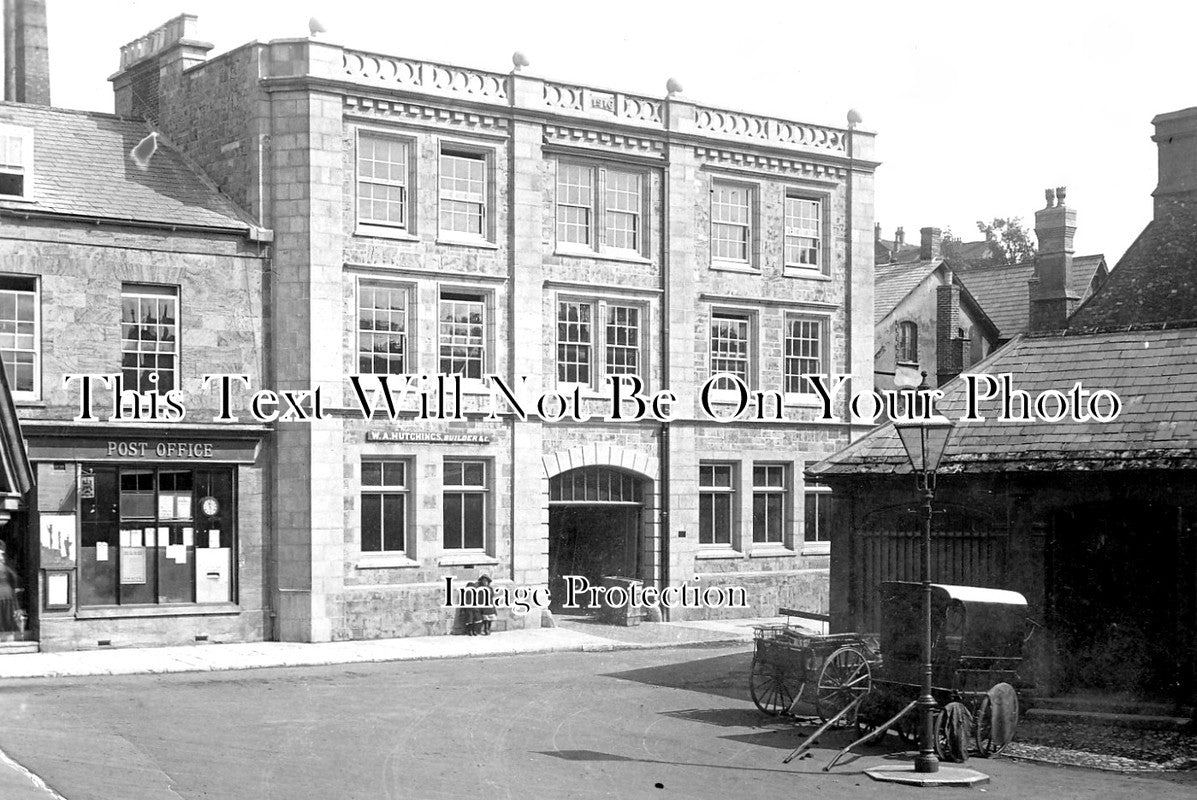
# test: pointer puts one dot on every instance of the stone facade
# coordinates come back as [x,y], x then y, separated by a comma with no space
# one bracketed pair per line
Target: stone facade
[288,144]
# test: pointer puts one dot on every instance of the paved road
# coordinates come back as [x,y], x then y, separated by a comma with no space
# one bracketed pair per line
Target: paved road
[639,724]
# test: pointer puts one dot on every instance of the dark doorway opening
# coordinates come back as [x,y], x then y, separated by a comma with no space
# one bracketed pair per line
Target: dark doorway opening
[1121,584]
[594,542]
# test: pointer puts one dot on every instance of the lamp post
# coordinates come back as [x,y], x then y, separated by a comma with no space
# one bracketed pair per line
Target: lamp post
[925,437]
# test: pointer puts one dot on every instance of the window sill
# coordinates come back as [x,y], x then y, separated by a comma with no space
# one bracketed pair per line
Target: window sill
[28,402]
[805,400]
[171,610]
[466,241]
[383,232]
[771,551]
[467,560]
[385,562]
[628,257]
[805,272]
[816,548]
[726,553]
[735,266]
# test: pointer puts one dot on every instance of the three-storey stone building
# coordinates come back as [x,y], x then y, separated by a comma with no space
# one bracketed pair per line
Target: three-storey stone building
[438,220]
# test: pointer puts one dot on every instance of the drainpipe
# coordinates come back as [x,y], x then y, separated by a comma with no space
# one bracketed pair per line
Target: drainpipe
[854,119]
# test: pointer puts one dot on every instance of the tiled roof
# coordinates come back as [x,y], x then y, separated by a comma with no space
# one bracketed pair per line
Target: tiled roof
[82,167]
[892,282]
[1156,280]
[1002,290]
[1154,372]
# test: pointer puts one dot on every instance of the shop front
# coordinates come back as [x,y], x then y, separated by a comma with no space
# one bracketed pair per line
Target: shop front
[145,539]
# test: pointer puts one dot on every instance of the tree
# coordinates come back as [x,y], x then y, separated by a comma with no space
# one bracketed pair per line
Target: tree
[1008,241]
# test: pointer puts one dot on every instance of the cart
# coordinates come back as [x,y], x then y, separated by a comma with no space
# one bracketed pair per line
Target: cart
[788,661]
[977,639]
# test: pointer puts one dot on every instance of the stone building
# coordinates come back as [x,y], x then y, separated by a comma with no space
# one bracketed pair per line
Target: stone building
[138,531]
[1087,512]
[441,220]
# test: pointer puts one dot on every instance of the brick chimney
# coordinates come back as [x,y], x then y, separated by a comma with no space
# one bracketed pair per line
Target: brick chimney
[876,232]
[1176,140]
[26,52]
[152,66]
[1051,300]
[949,344]
[899,239]
[931,244]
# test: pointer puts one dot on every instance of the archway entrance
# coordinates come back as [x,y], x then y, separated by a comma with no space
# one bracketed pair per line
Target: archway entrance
[594,526]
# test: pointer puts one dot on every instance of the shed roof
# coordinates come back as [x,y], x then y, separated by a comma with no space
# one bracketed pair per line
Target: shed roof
[1152,372]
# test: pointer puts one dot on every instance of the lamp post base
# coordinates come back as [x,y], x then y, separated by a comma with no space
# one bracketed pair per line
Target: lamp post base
[909,775]
[927,765]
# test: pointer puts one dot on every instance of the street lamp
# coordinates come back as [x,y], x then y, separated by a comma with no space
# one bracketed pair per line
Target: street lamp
[925,437]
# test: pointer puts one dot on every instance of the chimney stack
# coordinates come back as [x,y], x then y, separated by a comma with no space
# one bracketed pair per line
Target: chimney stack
[153,66]
[931,244]
[1051,300]
[949,345]
[1176,140]
[899,239]
[26,52]
[876,232]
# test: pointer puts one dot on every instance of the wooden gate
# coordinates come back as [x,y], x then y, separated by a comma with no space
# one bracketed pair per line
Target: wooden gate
[967,549]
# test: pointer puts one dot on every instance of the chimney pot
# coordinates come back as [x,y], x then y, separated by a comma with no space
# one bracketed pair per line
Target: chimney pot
[1050,196]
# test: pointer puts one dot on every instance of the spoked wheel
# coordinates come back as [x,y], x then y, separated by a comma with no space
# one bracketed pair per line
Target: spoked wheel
[997,718]
[953,729]
[773,688]
[845,677]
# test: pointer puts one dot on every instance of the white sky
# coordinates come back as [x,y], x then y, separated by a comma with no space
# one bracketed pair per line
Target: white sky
[977,107]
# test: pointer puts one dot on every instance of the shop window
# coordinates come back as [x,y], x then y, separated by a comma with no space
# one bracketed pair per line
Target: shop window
[716,499]
[156,535]
[20,339]
[465,491]
[150,337]
[384,506]
[769,492]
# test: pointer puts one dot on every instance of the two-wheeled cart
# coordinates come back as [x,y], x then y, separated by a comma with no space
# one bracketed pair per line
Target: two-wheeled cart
[977,642]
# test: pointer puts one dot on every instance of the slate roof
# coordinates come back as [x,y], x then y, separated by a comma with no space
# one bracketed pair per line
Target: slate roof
[1152,371]
[82,168]
[1002,290]
[1156,280]
[892,282]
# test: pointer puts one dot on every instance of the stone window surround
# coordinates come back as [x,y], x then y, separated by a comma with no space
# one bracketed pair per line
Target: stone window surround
[823,198]
[752,315]
[824,320]
[598,167]
[489,348]
[406,554]
[906,342]
[768,489]
[410,360]
[25,167]
[598,337]
[411,227]
[9,282]
[823,546]
[732,547]
[450,556]
[752,263]
[446,145]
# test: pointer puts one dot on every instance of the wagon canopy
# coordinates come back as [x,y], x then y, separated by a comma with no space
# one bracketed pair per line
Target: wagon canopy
[969,621]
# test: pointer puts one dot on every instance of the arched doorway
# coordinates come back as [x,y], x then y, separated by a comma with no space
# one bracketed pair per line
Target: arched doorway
[595,526]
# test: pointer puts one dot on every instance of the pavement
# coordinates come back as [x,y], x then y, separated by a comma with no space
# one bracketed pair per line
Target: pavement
[570,635]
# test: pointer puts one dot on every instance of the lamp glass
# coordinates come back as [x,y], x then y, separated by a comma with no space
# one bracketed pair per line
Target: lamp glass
[925,441]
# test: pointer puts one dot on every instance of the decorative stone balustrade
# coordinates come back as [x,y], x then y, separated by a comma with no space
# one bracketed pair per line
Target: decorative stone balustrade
[594,102]
[765,129]
[425,76]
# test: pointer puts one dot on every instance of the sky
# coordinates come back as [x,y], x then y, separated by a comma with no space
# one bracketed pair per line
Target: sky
[977,107]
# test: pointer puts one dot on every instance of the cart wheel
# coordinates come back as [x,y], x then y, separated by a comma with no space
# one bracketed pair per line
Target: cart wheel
[953,728]
[773,688]
[996,720]
[845,677]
